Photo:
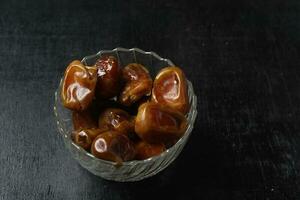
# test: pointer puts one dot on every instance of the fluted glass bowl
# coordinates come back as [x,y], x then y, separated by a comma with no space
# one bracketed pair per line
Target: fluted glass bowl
[132,170]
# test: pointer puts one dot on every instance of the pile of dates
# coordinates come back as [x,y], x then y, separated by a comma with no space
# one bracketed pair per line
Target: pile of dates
[119,113]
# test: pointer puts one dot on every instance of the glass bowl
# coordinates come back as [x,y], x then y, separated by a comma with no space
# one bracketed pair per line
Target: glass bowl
[132,170]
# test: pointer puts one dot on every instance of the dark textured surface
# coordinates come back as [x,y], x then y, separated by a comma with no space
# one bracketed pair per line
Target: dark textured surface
[243,59]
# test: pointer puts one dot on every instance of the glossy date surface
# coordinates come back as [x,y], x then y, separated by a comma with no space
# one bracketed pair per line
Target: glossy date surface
[138,83]
[85,137]
[117,119]
[113,146]
[170,89]
[108,74]
[156,123]
[78,86]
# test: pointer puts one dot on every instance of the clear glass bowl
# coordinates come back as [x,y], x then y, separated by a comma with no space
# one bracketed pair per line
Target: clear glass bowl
[131,170]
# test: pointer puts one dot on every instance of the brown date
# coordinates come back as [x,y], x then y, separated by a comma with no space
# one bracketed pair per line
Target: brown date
[83,120]
[170,89]
[117,119]
[159,124]
[78,86]
[145,150]
[108,77]
[138,83]
[134,107]
[85,137]
[113,146]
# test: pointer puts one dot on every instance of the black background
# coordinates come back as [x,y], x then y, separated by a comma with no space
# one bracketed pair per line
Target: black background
[242,57]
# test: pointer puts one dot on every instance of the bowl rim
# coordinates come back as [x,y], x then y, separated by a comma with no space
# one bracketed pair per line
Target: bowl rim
[193,112]
[116,50]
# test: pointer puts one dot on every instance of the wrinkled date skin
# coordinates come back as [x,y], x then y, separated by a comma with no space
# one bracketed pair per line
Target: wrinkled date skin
[78,86]
[117,119]
[108,83]
[170,89]
[113,146]
[138,83]
[85,137]
[159,124]
[145,150]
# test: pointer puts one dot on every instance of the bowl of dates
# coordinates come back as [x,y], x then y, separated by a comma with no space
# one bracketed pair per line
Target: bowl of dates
[124,114]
